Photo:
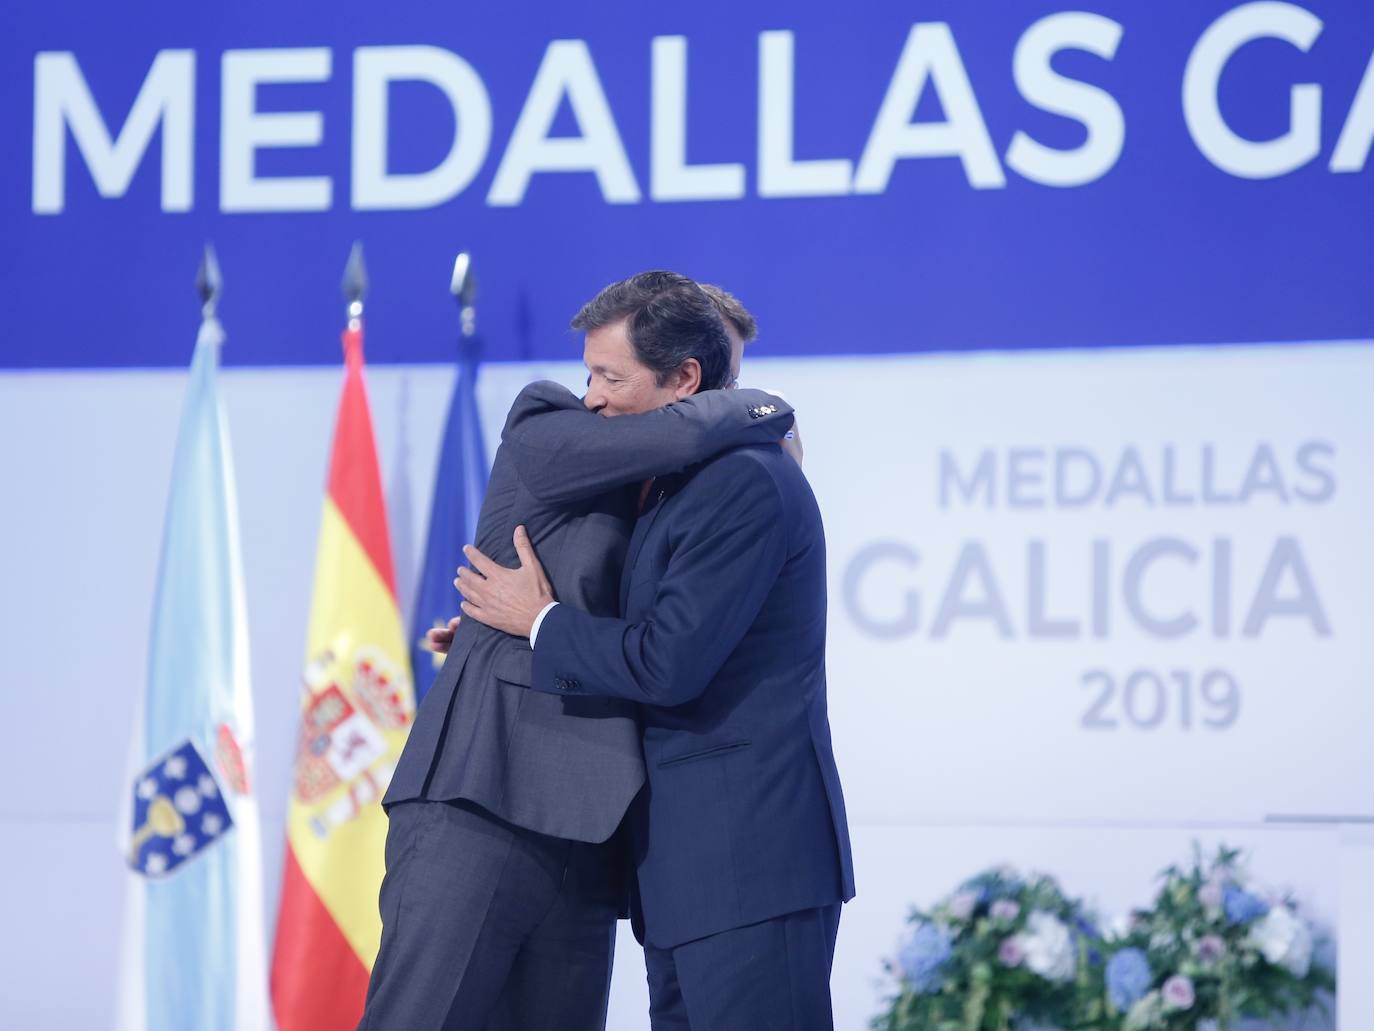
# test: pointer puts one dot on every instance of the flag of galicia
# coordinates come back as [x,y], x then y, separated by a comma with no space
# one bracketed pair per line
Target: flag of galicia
[192,954]
[179,810]
[459,485]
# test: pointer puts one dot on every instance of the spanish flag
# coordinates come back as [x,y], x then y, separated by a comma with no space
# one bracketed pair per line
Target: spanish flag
[357,703]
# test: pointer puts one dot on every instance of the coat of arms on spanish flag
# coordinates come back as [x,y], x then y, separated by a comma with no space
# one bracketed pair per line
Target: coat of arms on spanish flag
[357,703]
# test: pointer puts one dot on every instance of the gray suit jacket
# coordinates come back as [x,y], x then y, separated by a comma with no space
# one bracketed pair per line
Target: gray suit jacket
[564,767]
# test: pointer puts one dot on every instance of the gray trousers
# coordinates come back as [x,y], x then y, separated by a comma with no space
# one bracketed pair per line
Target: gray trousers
[490,927]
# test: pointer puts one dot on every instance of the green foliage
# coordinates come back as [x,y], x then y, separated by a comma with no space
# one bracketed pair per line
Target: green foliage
[1192,932]
[1003,953]
[1019,950]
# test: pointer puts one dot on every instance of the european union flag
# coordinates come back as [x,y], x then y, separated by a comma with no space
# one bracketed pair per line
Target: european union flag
[179,811]
[459,486]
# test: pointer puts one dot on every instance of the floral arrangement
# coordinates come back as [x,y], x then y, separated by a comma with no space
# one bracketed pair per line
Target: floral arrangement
[1006,953]
[1001,951]
[1209,952]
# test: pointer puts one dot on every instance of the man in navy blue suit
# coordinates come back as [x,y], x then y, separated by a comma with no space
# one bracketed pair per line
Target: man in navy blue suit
[741,843]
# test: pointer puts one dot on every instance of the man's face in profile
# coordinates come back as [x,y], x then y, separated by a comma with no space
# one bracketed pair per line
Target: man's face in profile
[617,382]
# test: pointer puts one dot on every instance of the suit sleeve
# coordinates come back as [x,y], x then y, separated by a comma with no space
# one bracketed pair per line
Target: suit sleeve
[712,590]
[564,453]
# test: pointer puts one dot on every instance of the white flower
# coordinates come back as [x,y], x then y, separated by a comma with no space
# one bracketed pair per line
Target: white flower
[211,825]
[174,768]
[187,800]
[207,786]
[1148,1012]
[1284,939]
[147,788]
[1048,947]
[1121,925]
[184,845]
[1162,941]
[156,863]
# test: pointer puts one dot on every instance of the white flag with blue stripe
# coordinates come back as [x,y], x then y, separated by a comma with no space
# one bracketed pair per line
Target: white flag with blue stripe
[193,950]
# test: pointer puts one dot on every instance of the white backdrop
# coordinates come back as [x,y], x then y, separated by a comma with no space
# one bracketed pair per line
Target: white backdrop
[1025,665]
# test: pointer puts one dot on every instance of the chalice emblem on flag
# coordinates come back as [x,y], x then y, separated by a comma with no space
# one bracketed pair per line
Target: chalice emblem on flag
[179,811]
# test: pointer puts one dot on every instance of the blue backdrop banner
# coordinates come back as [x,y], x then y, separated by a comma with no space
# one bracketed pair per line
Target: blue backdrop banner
[935,175]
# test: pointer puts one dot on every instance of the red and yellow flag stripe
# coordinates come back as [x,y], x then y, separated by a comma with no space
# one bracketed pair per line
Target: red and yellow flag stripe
[357,705]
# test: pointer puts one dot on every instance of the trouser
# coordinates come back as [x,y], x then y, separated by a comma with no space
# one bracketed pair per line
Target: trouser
[489,926]
[770,976]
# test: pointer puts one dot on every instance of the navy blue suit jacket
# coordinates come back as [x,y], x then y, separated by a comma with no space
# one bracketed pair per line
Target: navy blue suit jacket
[564,767]
[723,644]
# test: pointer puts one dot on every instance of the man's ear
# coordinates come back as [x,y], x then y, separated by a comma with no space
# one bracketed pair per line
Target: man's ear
[688,379]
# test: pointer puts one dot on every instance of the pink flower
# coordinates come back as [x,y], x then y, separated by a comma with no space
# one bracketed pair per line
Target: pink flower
[961,906]
[1010,952]
[1210,948]
[1178,993]
[1211,894]
[1005,909]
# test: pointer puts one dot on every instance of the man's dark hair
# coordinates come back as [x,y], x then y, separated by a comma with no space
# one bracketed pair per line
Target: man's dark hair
[732,311]
[668,319]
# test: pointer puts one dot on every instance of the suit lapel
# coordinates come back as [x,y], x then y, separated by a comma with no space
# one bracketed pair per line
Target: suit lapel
[657,499]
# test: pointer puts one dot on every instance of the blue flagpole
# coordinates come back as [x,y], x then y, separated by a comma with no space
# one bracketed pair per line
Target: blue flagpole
[460,484]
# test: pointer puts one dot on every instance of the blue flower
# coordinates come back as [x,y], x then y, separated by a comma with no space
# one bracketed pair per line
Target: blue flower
[923,958]
[1128,978]
[1084,929]
[1241,907]
[980,887]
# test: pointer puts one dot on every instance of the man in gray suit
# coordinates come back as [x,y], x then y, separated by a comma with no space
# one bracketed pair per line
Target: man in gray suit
[505,875]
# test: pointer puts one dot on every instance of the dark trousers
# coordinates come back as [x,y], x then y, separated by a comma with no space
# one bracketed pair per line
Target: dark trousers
[772,976]
[489,926]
